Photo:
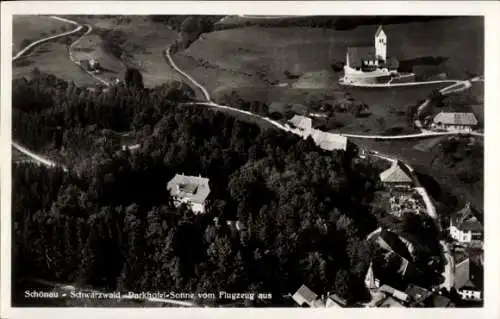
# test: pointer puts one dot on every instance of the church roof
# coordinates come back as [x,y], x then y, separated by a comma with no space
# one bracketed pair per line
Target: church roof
[379,30]
[358,54]
[397,173]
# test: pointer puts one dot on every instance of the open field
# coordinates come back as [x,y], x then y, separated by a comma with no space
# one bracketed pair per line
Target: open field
[269,52]
[141,40]
[388,107]
[92,46]
[52,57]
[29,28]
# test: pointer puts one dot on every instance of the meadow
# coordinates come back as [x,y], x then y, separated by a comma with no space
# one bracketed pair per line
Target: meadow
[52,58]
[29,28]
[267,52]
[135,41]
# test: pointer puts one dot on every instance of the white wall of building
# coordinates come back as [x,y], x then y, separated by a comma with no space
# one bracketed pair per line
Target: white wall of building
[381,45]
[459,235]
[470,294]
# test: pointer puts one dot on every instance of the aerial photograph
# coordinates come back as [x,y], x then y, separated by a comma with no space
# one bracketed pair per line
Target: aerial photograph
[247,161]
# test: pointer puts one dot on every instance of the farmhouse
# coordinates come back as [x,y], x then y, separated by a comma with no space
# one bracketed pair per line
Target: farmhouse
[465,227]
[370,64]
[453,122]
[397,176]
[302,125]
[191,190]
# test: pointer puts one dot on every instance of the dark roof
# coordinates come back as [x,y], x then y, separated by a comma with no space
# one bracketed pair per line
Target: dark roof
[379,29]
[466,220]
[441,301]
[395,243]
[359,54]
[417,293]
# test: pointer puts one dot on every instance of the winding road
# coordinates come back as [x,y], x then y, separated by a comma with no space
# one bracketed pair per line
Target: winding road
[454,87]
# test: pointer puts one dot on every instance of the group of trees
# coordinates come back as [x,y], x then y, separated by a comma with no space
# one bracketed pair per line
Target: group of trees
[113,224]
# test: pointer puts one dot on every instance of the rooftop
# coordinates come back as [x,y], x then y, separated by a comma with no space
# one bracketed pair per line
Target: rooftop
[358,54]
[195,188]
[302,122]
[329,141]
[304,295]
[452,118]
[466,220]
[397,173]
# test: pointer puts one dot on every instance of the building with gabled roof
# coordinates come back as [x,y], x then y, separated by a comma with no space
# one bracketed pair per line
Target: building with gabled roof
[329,141]
[465,227]
[455,121]
[303,123]
[304,295]
[191,190]
[397,175]
[466,281]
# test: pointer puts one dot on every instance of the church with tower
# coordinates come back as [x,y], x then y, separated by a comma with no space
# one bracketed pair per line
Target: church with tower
[370,64]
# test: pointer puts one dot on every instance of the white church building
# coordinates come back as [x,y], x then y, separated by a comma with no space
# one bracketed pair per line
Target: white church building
[370,64]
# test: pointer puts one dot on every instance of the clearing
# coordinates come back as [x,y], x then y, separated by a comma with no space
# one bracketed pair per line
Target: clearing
[29,28]
[134,41]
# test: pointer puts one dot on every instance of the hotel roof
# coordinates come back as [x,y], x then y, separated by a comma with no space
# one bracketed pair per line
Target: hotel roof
[195,188]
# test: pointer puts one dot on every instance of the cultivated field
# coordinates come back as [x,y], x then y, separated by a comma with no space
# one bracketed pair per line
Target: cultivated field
[52,58]
[29,28]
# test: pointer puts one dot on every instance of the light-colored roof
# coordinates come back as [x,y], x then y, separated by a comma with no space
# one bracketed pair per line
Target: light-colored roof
[451,118]
[329,141]
[304,295]
[397,173]
[302,122]
[335,301]
[370,278]
[194,188]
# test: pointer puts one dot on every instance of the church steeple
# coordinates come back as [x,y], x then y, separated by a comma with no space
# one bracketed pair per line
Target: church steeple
[381,44]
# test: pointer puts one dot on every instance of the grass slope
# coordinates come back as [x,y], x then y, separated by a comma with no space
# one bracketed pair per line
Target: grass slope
[29,28]
[52,58]
[143,42]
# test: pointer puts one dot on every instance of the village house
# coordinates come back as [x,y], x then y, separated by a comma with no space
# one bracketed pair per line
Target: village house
[465,227]
[454,122]
[190,190]
[302,123]
[302,126]
[387,296]
[397,176]
[466,281]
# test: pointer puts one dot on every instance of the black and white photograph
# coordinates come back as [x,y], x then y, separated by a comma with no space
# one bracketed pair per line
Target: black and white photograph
[247,160]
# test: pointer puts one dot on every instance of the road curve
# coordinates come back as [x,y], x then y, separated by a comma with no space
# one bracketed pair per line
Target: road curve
[38,42]
[37,158]
[206,95]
